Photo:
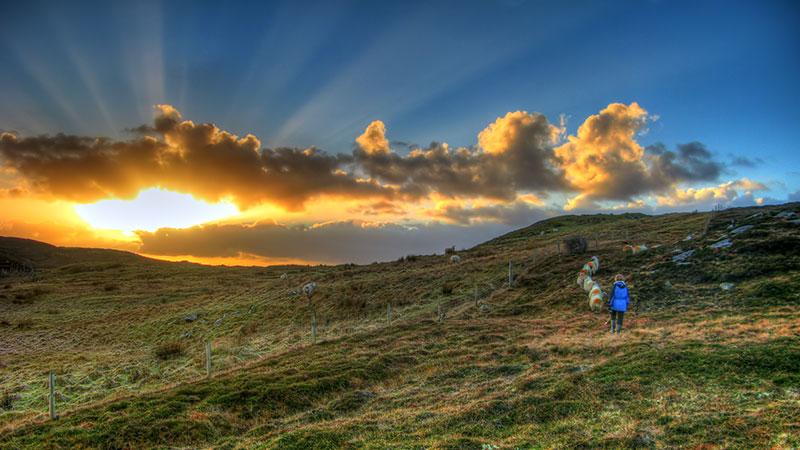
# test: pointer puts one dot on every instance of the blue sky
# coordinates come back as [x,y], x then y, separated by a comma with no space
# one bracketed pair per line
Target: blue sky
[303,74]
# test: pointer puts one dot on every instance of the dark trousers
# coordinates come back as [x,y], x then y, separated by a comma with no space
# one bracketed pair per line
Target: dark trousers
[617,316]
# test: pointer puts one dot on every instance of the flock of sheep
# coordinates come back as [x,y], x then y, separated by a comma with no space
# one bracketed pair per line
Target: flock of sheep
[592,287]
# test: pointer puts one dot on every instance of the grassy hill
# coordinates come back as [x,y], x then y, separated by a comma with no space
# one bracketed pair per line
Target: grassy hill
[527,367]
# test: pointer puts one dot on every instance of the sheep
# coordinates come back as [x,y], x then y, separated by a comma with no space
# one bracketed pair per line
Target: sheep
[627,248]
[596,261]
[639,248]
[592,267]
[309,289]
[581,277]
[596,301]
[455,259]
[285,276]
[588,284]
[595,290]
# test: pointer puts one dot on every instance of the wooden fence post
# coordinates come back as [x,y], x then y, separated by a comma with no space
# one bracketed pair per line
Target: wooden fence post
[596,245]
[313,327]
[52,396]
[389,313]
[476,294]
[439,308]
[558,243]
[534,257]
[510,274]
[208,359]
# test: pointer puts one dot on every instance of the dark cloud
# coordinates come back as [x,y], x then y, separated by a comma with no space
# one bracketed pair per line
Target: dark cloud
[691,162]
[378,208]
[198,159]
[743,161]
[335,242]
[516,214]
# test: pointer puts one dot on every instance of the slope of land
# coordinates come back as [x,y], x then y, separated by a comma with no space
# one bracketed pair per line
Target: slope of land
[526,367]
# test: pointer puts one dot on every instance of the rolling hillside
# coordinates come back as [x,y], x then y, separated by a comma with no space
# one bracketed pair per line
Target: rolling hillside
[709,356]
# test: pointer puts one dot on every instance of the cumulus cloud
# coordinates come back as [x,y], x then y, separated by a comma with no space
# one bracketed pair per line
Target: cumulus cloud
[514,155]
[605,161]
[724,194]
[374,138]
[185,157]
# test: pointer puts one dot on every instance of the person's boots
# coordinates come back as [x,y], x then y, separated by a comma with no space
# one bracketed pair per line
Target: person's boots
[619,328]
[613,325]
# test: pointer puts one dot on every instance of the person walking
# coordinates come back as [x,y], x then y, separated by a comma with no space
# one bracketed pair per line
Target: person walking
[618,303]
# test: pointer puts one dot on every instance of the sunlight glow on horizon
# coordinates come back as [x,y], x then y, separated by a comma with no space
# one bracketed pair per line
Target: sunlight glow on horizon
[153,209]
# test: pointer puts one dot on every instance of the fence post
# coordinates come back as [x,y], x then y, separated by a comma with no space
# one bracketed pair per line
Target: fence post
[52,396]
[476,295]
[439,308]
[313,327]
[510,274]
[596,245]
[208,359]
[627,235]
[558,243]
[389,313]
[534,257]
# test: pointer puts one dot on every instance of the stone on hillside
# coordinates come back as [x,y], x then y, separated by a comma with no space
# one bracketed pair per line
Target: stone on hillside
[252,308]
[575,245]
[795,221]
[218,322]
[689,237]
[187,334]
[683,256]
[726,286]
[668,285]
[685,263]
[741,229]
[756,216]
[783,214]
[193,316]
[721,244]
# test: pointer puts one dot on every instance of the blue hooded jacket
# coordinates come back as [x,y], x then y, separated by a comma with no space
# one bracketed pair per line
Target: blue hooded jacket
[619,298]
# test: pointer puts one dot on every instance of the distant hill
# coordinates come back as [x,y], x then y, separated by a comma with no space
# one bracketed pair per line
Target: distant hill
[40,255]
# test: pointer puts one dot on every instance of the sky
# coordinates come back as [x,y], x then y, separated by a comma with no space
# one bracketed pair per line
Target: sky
[331,132]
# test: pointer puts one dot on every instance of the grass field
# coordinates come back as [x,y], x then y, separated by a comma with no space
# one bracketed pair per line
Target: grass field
[529,367]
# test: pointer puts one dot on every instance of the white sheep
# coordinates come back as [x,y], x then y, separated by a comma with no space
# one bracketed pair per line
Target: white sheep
[639,248]
[285,276]
[582,277]
[455,259]
[309,288]
[596,261]
[588,283]
[596,301]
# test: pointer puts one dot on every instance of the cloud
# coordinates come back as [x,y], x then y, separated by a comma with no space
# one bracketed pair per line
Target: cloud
[743,161]
[332,242]
[724,194]
[374,138]
[514,155]
[200,159]
[605,161]
[518,213]
[14,192]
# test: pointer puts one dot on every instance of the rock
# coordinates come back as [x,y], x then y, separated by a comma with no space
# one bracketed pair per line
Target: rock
[193,316]
[783,214]
[187,334]
[657,246]
[689,237]
[685,263]
[683,256]
[668,285]
[726,286]
[484,306]
[252,308]
[721,244]
[201,321]
[218,322]
[756,216]
[578,369]
[235,312]
[172,322]
[193,398]
[795,221]
[741,229]
[575,245]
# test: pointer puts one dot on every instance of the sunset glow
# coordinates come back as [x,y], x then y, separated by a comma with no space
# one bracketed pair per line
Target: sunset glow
[153,209]
[277,134]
